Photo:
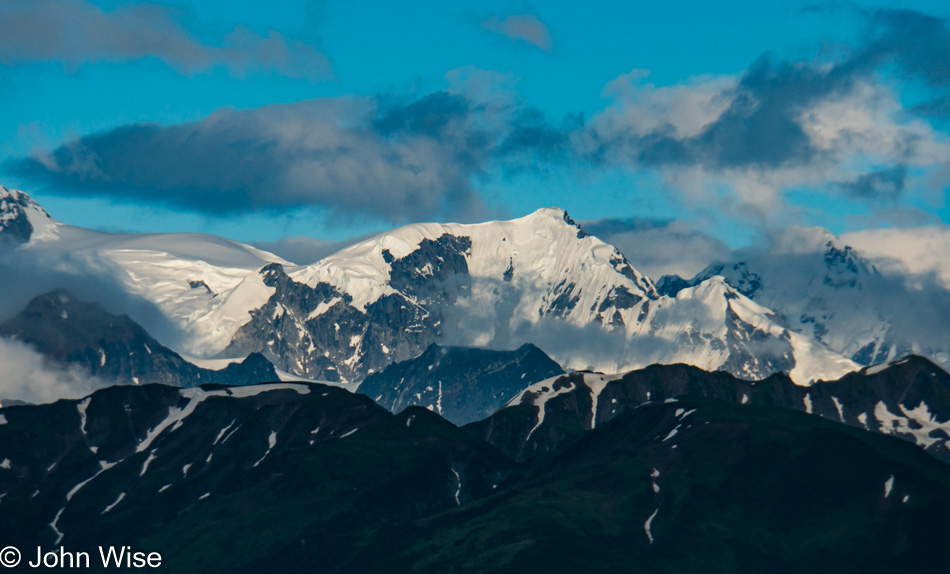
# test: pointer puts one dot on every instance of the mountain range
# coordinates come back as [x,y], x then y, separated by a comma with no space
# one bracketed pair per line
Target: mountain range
[498,397]
[538,280]
[908,398]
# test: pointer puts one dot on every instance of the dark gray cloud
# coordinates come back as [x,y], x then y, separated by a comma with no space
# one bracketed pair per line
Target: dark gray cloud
[760,127]
[763,125]
[913,40]
[885,185]
[917,42]
[433,115]
[938,108]
[784,125]
[78,31]
[534,142]
[401,160]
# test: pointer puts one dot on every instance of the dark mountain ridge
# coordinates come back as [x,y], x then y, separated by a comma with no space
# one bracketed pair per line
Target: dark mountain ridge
[115,348]
[306,477]
[907,398]
[463,384]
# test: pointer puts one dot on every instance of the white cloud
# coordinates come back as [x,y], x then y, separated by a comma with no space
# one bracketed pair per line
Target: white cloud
[869,125]
[644,108]
[27,376]
[920,251]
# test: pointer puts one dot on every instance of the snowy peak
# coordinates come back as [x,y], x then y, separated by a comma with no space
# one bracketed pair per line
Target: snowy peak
[22,219]
[203,284]
[844,267]
[717,328]
[546,246]
[388,298]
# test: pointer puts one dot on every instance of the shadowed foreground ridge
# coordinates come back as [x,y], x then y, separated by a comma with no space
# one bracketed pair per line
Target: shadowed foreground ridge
[463,384]
[305,477]
[908,398]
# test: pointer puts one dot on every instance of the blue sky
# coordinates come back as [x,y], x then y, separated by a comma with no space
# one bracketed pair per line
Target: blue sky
[335,119]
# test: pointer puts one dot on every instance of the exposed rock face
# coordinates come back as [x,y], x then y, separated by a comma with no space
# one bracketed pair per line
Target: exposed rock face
[316,332]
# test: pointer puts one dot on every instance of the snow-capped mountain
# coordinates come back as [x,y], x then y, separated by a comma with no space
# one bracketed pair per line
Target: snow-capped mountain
[22,219]
[537,279]
[827,291]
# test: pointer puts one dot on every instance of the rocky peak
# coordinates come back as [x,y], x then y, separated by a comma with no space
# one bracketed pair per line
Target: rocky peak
[114,348]
[20,217]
